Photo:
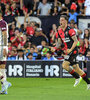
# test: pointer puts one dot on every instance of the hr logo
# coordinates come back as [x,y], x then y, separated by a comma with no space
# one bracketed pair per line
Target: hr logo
[15,70]
[52,70]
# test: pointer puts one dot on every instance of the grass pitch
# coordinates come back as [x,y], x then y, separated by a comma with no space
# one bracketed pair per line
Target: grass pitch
[45,89]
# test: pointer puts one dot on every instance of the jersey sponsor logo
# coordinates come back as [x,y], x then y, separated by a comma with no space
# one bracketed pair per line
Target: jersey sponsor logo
[66,33]
[66,39]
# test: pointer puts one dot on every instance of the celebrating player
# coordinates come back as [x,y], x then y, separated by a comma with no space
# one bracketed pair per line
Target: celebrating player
[3,55]
[67,36]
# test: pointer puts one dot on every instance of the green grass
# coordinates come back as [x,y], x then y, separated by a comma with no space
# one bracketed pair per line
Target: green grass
[45,89]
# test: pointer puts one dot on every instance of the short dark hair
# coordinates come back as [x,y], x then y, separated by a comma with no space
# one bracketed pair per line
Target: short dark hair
[65,17]
[30,54]
[19,50]
[49,52]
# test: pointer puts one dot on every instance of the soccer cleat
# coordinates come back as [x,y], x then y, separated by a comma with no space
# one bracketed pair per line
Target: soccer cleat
[77,81]
[3,92]
[5,86]
[88,86]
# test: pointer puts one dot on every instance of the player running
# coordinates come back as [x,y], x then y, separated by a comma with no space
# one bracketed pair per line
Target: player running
[67,37]
[3,55]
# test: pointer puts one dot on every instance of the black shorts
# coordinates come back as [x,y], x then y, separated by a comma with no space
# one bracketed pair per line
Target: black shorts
[72,58]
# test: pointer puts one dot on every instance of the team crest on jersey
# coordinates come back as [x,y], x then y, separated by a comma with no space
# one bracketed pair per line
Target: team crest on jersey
[66,33]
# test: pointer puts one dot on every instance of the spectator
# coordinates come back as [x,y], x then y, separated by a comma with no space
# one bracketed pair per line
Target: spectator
[7,10]
[55,12]
[27,47]
[82,47]
[14,9]
[2,7]
[49,56]
[9,48]
[35,7]
[67,4]
[37,38]
[22,26]
[14,48]
[52,34]
[86,38]
[80,2]
[12,56]
[43,44]
[39,57]
[87,7]
[32,50]
[73,14]
[30,57]
[88,55]
[29,30]
[78,31]
[20,55]
[11,29]
[16,39]
[44,8]
[28,6]
[66,7]
[80,57]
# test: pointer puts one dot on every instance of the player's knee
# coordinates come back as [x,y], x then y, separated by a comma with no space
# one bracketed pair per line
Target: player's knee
[65,65]
[2,66]
[76,67]
[1,72]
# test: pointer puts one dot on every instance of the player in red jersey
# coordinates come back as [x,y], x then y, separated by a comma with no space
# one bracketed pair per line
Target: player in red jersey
[3,55]
[67,37]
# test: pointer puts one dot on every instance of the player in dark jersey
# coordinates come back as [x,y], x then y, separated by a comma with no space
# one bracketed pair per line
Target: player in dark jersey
[3,55]
[67,37]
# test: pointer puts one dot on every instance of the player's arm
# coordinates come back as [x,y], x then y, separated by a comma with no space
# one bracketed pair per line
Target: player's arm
[5,37]
[58,45]
[72,34]
[74,44]
[5,43]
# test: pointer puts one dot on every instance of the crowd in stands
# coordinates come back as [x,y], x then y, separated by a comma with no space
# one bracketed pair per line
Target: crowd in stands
[28,42]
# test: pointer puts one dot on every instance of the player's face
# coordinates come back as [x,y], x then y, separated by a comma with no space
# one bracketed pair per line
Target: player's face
[63,22]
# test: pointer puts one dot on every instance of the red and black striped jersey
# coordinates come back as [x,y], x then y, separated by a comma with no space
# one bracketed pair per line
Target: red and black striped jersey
[66,37]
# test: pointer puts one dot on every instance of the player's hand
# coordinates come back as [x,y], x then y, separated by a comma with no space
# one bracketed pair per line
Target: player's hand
[68,51]
[52,49]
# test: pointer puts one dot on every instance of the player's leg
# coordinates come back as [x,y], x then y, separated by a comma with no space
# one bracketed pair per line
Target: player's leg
[4,84]
[2,75]
[66,66]
[82,74]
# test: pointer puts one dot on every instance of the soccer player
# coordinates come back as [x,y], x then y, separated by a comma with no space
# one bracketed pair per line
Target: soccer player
[67,37]
[3,55]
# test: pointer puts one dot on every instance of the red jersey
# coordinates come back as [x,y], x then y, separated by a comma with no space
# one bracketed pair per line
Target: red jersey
[17,42]
[66,37]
